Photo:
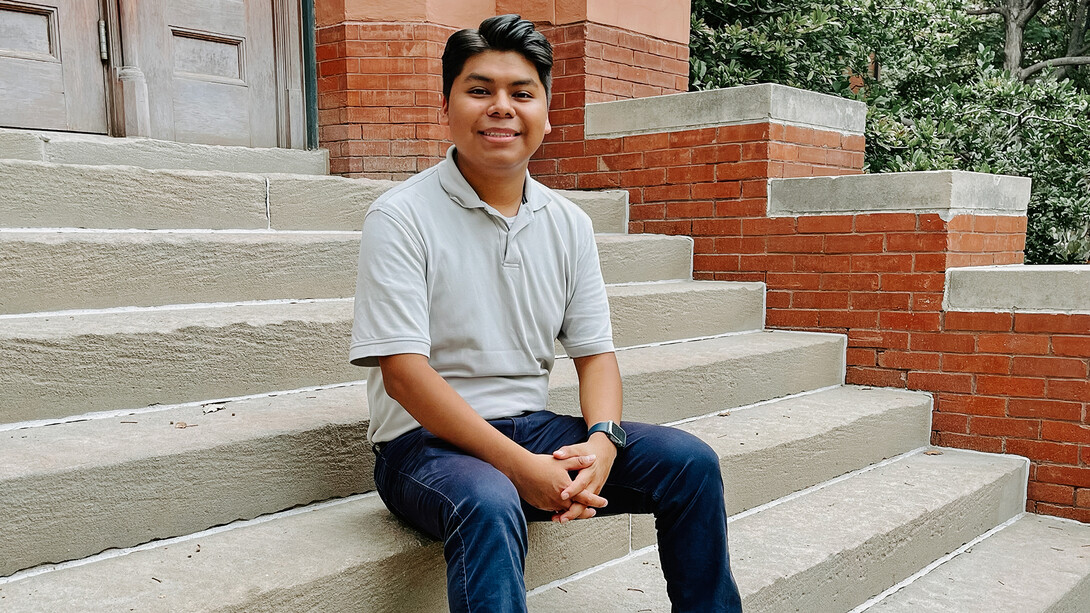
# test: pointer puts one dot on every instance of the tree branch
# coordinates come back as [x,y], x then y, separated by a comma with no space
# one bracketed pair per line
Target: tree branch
[1026,73]
[1034,8]
[1024,115]
[990,10]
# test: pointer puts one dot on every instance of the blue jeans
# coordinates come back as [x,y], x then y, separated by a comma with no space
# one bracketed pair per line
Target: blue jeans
[474,509]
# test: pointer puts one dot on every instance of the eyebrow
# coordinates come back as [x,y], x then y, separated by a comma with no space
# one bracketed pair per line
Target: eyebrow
[473,76]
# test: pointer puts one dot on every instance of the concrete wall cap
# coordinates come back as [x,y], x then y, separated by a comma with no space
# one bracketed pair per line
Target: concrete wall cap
[946,192]
[724,107]
[1019,288]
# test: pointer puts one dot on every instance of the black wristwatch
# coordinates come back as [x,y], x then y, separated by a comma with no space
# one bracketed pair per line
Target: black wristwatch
[613,430]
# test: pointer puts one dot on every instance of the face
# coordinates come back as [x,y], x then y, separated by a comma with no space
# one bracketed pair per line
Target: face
[498,114]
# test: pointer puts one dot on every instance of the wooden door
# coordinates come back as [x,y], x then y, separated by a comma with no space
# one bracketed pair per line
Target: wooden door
[51,74]
[210,67]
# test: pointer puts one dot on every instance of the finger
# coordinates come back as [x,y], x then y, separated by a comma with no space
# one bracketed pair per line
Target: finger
[574,512]
[589,499]
[578,462]
[582,480]
[564,453]
[571,451]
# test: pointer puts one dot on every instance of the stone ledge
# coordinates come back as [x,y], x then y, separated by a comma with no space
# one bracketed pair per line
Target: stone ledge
[946,192]
[724,107]
[1046,289]
[99,150]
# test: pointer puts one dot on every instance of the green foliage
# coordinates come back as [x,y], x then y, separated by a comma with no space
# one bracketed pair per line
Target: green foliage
[939,101]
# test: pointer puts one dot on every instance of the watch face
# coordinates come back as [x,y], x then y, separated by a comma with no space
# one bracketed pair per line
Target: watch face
[617,433]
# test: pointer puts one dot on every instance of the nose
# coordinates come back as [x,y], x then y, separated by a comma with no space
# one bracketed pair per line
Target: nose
[501,106]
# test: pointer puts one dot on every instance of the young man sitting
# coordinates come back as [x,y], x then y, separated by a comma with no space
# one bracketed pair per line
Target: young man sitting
[468,273]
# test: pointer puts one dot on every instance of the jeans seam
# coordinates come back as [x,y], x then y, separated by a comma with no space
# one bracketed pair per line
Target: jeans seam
[457,532]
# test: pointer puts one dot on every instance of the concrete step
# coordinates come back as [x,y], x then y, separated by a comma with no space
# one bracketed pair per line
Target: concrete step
[872,411]
[1038,564]
[92,149]
[45,195]
[74,362]
[90,269]
[78,488]
[831,549]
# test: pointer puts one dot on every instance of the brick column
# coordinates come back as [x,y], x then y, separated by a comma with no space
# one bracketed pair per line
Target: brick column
[605,50]
[380,82]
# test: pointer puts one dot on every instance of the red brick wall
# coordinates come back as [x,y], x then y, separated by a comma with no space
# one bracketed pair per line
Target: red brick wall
[598,63]
[380,89]
[1018,383]
[379,94]
[1003,383]
[704,183]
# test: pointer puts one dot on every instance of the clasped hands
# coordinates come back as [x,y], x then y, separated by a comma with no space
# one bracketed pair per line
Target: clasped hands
[544,481]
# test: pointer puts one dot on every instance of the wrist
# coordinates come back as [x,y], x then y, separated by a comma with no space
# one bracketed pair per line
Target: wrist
[602,445]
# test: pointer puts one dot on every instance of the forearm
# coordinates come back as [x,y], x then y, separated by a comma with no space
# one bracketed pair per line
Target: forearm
[433,403]
[600,396]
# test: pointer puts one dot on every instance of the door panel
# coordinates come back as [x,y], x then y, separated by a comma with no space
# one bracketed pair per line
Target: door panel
[210,67]
[51,76]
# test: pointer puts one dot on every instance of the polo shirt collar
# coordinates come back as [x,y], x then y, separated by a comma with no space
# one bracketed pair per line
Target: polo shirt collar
[462,193]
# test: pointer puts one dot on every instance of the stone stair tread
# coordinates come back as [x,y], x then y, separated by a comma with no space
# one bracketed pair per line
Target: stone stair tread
[64,269]
[831,432]
[93,149]
[1036,564]
[169,318]
[302,446]
[132,197]
[349,556]
[78,445]
[190,352]
[352,554]
[832,548]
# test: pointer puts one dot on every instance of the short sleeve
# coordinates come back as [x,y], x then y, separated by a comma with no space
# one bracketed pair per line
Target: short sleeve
[586,329]
[391,305]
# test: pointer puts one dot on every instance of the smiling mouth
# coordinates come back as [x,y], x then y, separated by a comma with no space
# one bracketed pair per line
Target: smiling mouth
[502,134]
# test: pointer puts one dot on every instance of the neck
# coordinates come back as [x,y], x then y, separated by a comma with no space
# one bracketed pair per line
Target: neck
[500,188]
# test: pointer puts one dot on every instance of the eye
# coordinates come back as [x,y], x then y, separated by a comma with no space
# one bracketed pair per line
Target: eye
[527,95]
[478,91]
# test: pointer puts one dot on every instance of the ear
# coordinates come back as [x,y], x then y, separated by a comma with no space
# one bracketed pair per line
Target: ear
[548,126]
[444,118]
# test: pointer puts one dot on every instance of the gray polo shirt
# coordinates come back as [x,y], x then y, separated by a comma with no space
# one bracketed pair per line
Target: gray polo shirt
[442,274]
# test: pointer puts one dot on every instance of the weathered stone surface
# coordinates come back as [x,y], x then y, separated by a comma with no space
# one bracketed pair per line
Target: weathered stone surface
[724,107]
[37,194]
[75,489]
[945,192]
[608,209]
[831,549]
[1037,564]
[683,309]
[680,380]
[21,145]
[322,203]
[92,149]
[187,353]
[343,557]
[57,269]
[633,258]
[1047,289]
[783,446]
[335,203]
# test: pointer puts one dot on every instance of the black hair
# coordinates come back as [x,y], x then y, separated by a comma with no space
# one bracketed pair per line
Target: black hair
[500,33]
